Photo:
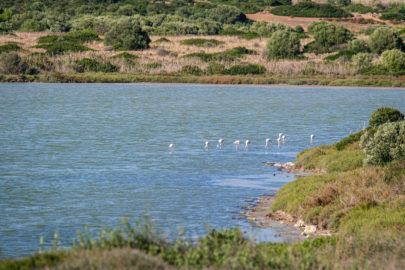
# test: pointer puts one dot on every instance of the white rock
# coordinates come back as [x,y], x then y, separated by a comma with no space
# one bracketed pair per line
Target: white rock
[309,229]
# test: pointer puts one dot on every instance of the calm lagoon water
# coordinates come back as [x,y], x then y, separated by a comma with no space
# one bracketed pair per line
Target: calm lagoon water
[77,154]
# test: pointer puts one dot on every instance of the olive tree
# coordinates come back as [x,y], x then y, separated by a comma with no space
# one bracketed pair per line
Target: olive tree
[384,38]
[394,60]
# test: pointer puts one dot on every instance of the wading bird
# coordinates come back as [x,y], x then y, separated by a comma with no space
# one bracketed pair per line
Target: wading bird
[312,138]
[220,143]
[236,143]
[267,144]
[247,142]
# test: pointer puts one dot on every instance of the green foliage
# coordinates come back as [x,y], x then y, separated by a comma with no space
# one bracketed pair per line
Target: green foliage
[153,65]
[161,40]
[5,14]
[266,29]
[216,68]
[310,9]
[361,61]
[357,46]
[348,140]
[127,35]
[283,44]
[227,14]
[394,14]
[10,47]
[387,144]
[328,35]
[129,57]
[12,63]
[384,38]
[201,42]
[384,115]
[92,65]
[359,8]
[61,46]
[82,36]
[346,54]
[394,60]
[228,55]
[245,69]
[193,70]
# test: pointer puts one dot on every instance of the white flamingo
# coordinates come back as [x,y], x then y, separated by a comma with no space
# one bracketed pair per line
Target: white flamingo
[267,143]
[236,143]
[171,146]
[247,142]
[283,139]
[206,145]
[278,141]
[220,143]
[312,138]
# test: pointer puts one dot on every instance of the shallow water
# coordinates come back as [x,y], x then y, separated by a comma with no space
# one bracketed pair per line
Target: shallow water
[77,154]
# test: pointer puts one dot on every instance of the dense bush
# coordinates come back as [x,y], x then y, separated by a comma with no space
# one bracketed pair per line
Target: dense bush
[10,47]
[357,46]
[310,9]
[394,60]
[127,35]
[92,65]
[245,69]
[394,14]
[384,115]
[360,9]
[387,144]
[61,46]
[327,34]
[361,61]
[216,68]
[266,29]
[12,63]
[227,14]
[227,56]
[283,44]
[384,38]
[126,56]
[85,35]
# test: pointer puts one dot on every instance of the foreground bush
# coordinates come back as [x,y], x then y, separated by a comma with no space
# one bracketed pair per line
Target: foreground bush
[385,115]
[384,38]
[283,44]
[92,65]
[386,145]
[127,35]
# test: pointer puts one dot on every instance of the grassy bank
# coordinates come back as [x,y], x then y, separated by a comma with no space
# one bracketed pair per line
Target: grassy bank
[56,77]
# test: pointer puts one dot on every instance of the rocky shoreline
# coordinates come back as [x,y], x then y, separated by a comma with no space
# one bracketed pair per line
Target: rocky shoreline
[261,215]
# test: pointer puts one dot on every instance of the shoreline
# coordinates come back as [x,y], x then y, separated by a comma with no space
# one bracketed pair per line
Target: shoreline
[360,82]
[261,213]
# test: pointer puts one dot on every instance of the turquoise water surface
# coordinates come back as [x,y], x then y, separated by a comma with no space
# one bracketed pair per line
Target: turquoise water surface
[89,154]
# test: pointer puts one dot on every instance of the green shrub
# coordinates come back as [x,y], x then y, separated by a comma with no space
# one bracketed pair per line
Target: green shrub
[216,68]
[361,61]
[384,38]
[126,56]
[228,55]
[266,29]
[386,145]
[12,63]
[92,65]
[328,35]
[346,54]
[357,46]
[349,140]
[283,44]
[384,115]
[10,47]
[82,36]
[153,65]
[394,14]
[127,35]
[201,42]
[245,69]
[375,69]
[310,9]
[161,40]
[340,2]
[226,14]
[40,61]
[359,8]
[394,60]
[60,47]
[193,70]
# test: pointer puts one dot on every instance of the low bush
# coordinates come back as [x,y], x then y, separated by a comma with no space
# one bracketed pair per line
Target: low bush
[394,14]
[161,40]
[386,145]
[360,9]
[342,144]
[153,65]
[92,65]
[10,47]
[12,63]
[201,42]
[216,68]
[357,46]
[82,36]
[384,115]
[310,9]
[245,69]
[346,54]
[328,35]
[228,55]
[266,29]
[361,61]
[193,70]
[62,46]
[126,56]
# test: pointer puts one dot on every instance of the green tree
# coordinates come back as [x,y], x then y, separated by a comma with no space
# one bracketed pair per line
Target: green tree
[361,61]
[394,60]
[127,35]
[384,38]
[226,14]
[327,34]
[283,44]
[357,46]
[12,63]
